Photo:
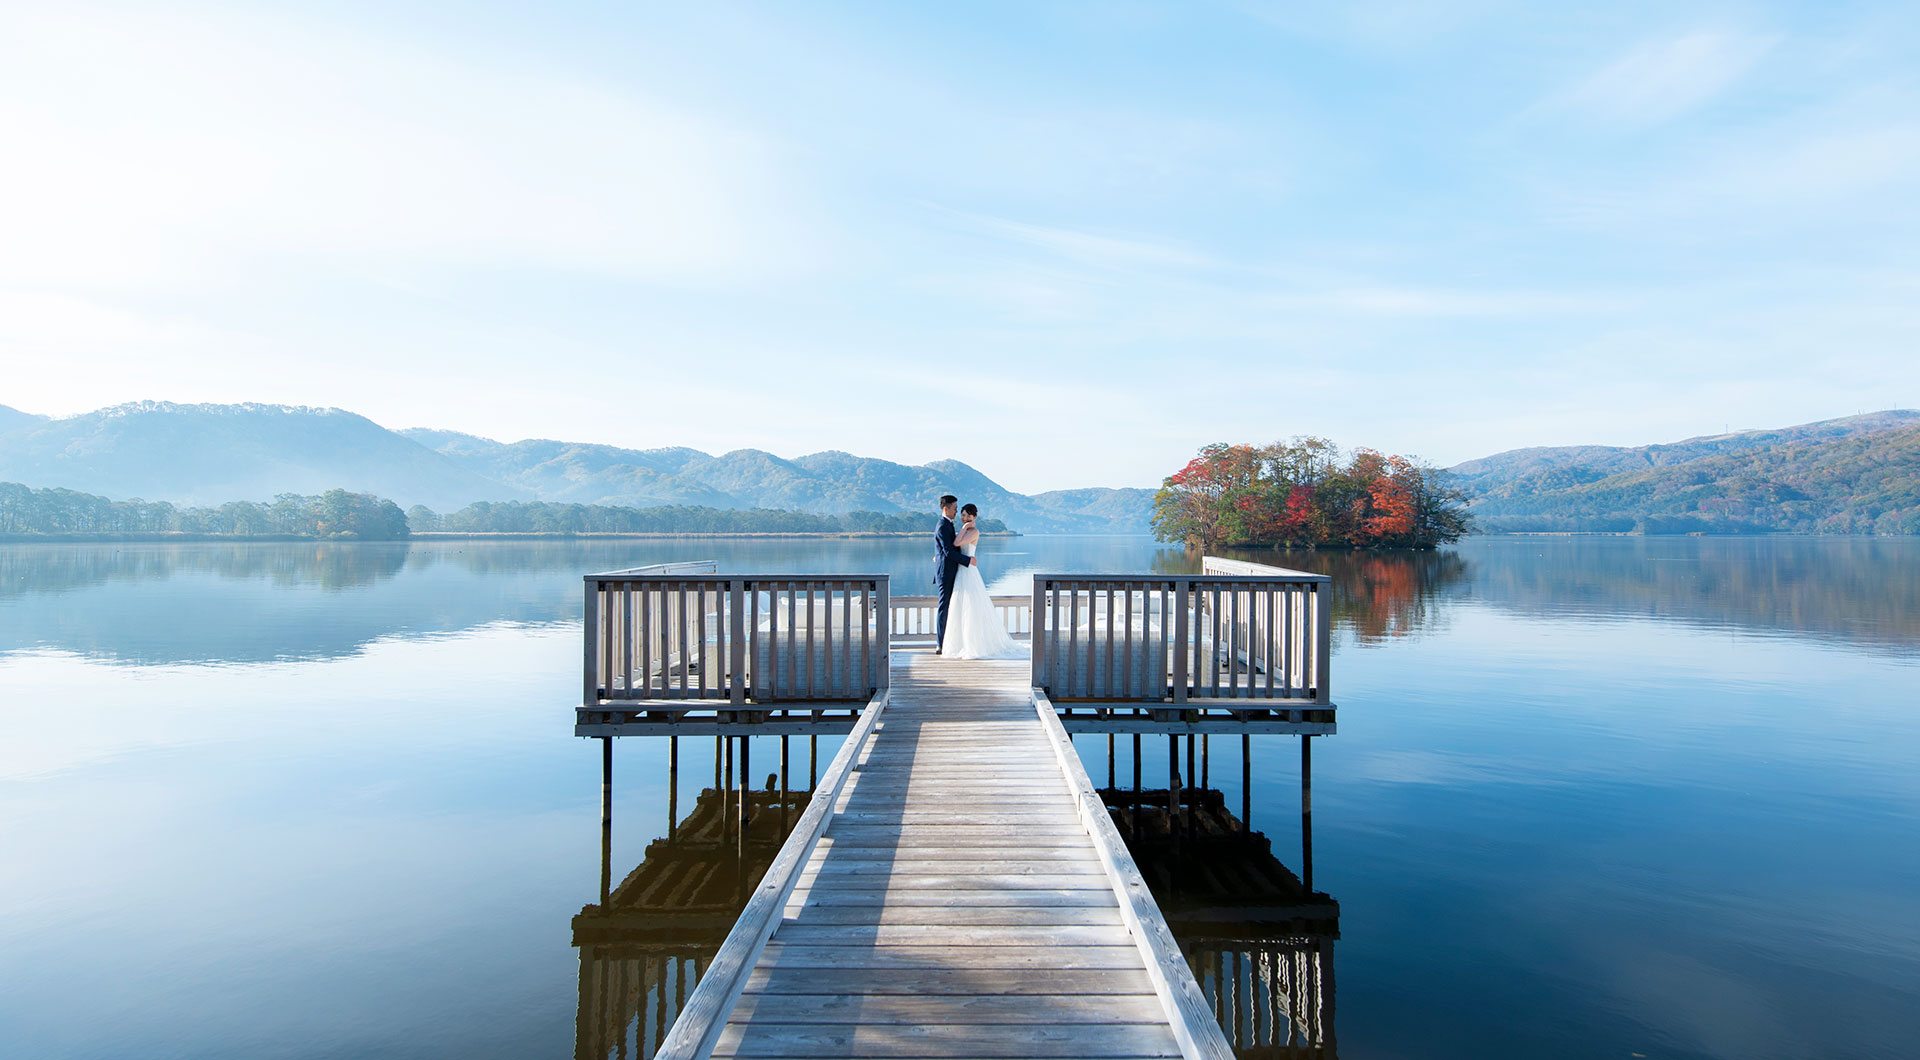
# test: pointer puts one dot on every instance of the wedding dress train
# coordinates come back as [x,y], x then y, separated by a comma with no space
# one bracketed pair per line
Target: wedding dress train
[974,629]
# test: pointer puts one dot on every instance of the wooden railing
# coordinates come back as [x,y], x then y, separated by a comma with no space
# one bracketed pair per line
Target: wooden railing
[677,641]
[1215,639]
[916,616]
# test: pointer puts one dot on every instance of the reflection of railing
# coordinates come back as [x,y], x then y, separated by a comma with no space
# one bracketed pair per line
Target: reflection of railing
[914,617]
[1208,640]
[1258,940]
[1272,995]
[644,947]
[675,641]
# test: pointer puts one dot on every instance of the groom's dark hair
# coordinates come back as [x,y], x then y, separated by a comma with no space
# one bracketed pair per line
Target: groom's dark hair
[948,498]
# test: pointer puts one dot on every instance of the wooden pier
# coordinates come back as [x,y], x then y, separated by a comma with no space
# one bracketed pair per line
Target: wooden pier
[955,886]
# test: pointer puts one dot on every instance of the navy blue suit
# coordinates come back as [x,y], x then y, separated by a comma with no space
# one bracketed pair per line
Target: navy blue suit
[947,561]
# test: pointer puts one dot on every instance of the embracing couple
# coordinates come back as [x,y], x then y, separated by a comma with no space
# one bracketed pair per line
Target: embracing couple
[974,631]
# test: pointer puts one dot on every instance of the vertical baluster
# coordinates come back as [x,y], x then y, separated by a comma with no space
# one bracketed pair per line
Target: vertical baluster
[1127,683]
[1073,636]
[866,650]
[1268,643]
[700,635]
[847,682]
[812,685]
[793,660]
[1110,657]
[643,637]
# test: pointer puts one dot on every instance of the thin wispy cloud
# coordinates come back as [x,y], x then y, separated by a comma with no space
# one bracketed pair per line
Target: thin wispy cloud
[1438,228]
[1663,78]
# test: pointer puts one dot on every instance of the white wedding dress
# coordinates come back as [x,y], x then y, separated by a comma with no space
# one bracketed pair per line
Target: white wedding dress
[974,629]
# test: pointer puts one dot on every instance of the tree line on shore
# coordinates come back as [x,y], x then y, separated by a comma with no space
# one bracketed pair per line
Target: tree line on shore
[1307,493]
[342,514]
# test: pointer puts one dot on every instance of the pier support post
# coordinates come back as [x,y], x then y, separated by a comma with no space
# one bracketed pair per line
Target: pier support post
[606,818]
[783,783]
[1246,783]
[1190,774]
[1306,811]
[746,784]
[813,764]
[673,785]
[724,781]
[1110,761]
[1173,787]
[1136,785]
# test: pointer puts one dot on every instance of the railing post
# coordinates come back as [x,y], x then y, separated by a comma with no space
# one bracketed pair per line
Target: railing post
[884,678]
[1039,648]
[736,640]
[590,622]
[1182,588]
[1323,641]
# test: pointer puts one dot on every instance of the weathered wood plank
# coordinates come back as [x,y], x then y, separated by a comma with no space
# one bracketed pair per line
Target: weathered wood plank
[764,1040]
[800,933]
[953,881]
[1095,896]
[957,916]
[1107,982]
[788,955]
[953,1011]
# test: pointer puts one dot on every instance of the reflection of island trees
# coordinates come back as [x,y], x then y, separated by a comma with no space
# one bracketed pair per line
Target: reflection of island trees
[1376,594]
[1259,942]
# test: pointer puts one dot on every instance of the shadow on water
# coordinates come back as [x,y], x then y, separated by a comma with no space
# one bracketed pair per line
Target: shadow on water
[1259,941]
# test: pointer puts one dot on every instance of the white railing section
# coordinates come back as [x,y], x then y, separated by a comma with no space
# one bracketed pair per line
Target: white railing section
[917,616]
[1209,640]
[667,640]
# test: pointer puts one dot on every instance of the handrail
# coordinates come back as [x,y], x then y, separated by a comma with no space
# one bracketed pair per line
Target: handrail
[694,566]
[705,1014]
[1189,1013]
[1223,565]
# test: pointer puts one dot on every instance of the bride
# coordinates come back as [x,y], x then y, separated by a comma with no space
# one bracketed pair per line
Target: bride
[974,630]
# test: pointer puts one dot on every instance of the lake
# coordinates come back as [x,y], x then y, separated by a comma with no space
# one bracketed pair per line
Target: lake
[1590,797]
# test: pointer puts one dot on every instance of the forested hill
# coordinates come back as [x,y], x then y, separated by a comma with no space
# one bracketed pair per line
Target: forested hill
[207,455]
[1855,475]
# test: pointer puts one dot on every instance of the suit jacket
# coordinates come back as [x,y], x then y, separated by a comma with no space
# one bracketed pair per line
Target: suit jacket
[947,557]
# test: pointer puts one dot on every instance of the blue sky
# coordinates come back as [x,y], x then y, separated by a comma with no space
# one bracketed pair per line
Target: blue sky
[1067,243]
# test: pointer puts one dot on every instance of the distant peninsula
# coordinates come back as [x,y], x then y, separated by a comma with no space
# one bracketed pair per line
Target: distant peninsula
[338,514]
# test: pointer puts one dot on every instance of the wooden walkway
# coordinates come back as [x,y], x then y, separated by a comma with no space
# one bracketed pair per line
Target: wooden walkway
[959,903]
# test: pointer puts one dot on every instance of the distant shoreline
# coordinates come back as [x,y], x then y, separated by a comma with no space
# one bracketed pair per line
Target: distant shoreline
[170,537]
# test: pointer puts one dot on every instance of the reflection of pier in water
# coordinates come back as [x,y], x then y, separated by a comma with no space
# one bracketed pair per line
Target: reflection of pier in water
[1257,939]
[644,945]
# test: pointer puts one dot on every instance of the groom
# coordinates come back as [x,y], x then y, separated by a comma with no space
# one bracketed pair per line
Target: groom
[947,562]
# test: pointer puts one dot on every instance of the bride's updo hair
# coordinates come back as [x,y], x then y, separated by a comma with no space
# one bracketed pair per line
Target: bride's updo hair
[968,509]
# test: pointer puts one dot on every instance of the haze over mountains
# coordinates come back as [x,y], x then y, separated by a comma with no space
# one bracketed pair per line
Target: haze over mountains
[1859,474]
[209,454]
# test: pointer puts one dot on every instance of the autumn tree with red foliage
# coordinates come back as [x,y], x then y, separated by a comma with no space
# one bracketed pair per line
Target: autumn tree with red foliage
[1305,493]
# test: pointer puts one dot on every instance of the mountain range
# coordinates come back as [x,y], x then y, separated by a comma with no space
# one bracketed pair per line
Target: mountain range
[1858,474]
[209,454]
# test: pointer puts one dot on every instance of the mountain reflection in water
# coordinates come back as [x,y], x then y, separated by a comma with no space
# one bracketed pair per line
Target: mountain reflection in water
[277,601]
[1259,942]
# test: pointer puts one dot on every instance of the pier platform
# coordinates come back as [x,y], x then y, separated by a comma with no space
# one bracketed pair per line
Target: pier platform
[967,895]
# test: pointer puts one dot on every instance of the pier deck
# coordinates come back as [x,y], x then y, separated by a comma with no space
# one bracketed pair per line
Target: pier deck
[960,903]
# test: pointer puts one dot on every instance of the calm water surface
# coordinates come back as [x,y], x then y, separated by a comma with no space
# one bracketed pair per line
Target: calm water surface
[1590,797]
